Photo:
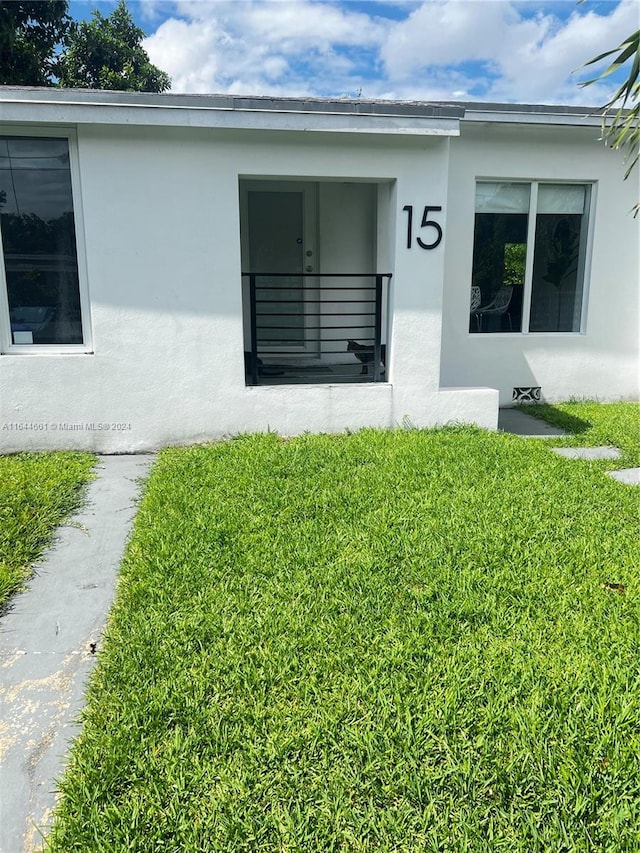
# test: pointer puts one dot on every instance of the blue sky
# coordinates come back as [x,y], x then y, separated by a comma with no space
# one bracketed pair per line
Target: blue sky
[494,50]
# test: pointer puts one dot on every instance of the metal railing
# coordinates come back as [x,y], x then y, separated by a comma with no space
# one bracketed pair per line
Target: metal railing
[304,328]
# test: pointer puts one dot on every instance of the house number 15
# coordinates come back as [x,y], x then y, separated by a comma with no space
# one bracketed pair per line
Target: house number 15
[426,223]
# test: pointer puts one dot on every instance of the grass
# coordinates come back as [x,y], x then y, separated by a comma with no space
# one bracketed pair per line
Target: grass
[389,641]
[595,424]
[37,492]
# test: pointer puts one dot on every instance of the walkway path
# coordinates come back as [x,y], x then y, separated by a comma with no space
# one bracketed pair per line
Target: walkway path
[46,649]
[519,423]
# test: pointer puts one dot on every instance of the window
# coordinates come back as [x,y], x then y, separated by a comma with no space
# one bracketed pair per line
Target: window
[38,241]
[529,257]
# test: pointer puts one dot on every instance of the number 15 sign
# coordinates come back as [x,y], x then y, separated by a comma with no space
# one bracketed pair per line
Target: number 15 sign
[426,223]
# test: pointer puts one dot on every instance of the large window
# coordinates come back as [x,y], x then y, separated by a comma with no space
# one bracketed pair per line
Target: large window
[528,257]
[38,245]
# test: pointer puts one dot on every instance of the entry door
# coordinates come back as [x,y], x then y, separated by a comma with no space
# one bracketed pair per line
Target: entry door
[279,238]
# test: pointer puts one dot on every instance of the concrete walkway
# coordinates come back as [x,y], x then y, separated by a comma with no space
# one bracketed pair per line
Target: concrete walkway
[47,651]
[518,423]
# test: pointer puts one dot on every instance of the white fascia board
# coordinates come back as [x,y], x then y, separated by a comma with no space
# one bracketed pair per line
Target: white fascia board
[562,119]
[45,112]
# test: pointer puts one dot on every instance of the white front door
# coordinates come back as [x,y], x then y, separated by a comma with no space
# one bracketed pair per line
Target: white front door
[278,244]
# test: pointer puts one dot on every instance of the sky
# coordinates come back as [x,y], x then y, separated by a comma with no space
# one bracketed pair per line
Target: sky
[521,51]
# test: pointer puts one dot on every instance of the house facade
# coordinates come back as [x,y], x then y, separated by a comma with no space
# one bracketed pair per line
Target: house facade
[180,268]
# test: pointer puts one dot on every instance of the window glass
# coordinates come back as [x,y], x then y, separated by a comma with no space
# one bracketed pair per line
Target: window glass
[500,253]
[556,290]
[558,198]
[502,198]
[38,241]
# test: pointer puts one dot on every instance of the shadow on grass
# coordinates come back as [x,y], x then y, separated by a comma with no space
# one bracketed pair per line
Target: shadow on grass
[556,417]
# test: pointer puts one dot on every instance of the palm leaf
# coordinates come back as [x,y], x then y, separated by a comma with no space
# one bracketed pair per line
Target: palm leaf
[621,114]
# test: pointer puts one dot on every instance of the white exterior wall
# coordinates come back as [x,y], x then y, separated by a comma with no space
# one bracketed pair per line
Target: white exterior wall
[600,362]
[160,208]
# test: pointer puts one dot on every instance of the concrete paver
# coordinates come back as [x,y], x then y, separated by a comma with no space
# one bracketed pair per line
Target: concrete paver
[46,649]
[519,423]
[588,452]
[630,476]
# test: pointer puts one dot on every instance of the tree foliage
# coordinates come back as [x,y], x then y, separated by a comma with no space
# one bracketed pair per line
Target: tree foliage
[29,35]
[40,45]
[106,53]
[621,120]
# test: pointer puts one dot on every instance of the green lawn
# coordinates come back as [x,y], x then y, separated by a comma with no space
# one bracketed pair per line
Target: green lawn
[594,424]
[387,641]
[37,492]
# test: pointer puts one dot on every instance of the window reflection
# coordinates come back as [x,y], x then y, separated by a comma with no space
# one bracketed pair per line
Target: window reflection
[500,257]
[38,241]
[500,247]
[556,295]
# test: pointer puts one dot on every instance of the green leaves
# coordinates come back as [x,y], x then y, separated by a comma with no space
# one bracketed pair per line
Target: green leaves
[29,35]
[621,120]
[41,45]
[106,53]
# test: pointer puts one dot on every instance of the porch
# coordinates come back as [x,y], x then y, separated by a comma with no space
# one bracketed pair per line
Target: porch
[316,327]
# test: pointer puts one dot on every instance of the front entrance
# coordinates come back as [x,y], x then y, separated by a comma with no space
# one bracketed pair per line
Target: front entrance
[312,299]
[279,244]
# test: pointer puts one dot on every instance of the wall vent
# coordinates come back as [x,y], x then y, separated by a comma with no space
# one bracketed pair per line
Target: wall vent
[527,394]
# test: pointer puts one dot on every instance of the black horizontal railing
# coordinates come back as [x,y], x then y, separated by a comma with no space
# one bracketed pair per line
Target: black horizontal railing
[295,320]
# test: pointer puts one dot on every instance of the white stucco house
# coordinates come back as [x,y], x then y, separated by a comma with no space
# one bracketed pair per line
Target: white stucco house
[177,268]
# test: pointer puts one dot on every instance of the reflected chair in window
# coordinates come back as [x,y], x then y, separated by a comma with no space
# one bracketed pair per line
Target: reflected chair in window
[31,319]
[498,306]
[476,299]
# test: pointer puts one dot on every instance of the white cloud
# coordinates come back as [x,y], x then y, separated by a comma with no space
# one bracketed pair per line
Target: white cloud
[442,32]
[295,25]
[531,57]
[436,50]
[216,46]
[189,54]
[544,69]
